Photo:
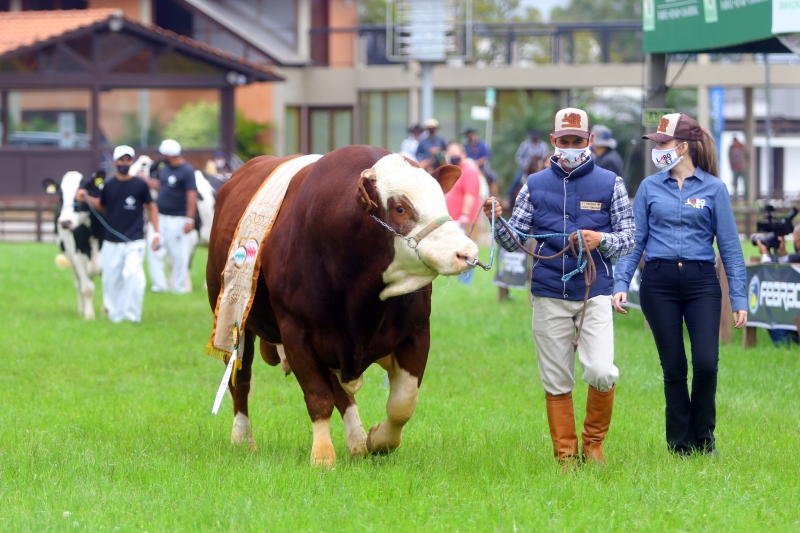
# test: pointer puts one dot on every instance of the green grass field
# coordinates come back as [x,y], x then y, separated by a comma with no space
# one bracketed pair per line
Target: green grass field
[107,427]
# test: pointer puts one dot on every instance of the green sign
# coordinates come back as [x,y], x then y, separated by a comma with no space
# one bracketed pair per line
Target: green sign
[651,116]
[491,97]
[672,26]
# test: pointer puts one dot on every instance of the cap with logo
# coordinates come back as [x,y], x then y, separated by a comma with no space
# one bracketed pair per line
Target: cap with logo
[122,150]
[170,148]
[676,126]
[602,136]
[431,123]
[571,121]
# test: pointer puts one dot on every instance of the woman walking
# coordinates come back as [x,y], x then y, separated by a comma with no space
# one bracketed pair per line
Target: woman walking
[678,213]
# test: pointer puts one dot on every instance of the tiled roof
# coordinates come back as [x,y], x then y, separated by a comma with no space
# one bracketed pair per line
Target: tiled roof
[20,29]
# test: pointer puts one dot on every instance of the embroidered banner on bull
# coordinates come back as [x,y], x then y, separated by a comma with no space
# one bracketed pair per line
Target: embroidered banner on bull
[773,295]
[243,265]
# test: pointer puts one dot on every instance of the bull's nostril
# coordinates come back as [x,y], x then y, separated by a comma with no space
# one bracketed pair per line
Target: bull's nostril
[66,224]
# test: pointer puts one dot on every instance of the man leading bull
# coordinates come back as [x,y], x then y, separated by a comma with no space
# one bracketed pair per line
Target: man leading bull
[573,194]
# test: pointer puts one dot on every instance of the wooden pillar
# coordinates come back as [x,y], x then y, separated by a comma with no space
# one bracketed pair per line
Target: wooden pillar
[227,121]
[4,117]
[726,314]
[749,337]
[95,129]
[750,134]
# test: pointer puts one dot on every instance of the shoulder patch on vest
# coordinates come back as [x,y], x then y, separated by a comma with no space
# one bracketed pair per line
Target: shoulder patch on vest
[592,206]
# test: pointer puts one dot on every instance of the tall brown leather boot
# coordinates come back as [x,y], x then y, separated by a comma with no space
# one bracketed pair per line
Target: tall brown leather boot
[599,406]
[561,418]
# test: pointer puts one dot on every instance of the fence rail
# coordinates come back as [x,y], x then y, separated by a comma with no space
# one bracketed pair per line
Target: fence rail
[27,220]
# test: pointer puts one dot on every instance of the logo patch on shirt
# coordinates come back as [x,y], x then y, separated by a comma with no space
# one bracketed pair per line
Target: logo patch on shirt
[591,206]
[697,203]
[130,202]
[172,180]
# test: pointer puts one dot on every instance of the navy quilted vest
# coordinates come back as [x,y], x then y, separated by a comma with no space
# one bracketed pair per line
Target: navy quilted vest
[562,203]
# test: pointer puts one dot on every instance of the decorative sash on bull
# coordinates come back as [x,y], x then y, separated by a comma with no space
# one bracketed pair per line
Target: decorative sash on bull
[243,265]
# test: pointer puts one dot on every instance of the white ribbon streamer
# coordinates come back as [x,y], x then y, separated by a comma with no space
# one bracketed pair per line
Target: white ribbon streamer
[224,385]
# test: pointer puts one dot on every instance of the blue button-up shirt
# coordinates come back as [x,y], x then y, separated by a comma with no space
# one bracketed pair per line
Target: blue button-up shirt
[477,151]
[680,224]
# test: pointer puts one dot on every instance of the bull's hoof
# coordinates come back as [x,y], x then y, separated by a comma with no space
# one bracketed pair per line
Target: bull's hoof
[358,451]
[377,445]
[323,455]
[89,314]
[242,433]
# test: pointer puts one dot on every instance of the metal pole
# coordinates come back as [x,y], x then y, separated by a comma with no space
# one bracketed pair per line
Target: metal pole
[489,127]
[144,117]
[768,132]
[427,91]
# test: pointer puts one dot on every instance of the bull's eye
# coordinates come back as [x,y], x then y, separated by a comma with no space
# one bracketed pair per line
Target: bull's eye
[399,210]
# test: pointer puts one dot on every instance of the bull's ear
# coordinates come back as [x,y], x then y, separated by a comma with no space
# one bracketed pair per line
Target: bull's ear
[447,176]
[367,194]
[50,186]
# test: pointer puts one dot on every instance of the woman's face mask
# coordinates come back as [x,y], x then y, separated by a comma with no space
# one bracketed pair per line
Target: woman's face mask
[455,159]
[665,160]
[573,157]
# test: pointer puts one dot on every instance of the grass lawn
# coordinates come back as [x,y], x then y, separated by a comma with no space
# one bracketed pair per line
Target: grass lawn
[107,427]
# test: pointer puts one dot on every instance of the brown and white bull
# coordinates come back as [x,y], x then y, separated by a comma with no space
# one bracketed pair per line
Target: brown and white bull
[338,290]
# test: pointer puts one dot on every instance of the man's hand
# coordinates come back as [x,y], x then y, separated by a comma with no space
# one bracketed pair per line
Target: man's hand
[480,162]
[156,244]
[762,249]
[487,208]
[781,247]
[739,319]
[188,226]
[433,150]
[591,239]
[81,195]
[620,298]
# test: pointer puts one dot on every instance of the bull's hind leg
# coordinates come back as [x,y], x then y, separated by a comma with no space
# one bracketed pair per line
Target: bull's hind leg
[405,368]
[354,429]
[242,433]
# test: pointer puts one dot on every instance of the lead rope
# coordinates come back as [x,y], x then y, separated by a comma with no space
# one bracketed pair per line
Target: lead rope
[587,266]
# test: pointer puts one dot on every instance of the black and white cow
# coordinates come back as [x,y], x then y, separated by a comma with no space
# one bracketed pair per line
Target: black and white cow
[79,234]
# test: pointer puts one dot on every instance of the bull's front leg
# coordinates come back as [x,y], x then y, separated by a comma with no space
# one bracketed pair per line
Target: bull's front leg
[405,368]
[85,286]
[242,432]
[354,430]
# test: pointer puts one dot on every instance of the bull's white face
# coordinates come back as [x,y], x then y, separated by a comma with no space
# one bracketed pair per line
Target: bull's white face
[412,200]
[68,218]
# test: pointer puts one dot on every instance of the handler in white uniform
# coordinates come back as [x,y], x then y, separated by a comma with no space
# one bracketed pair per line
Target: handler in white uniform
[122,202]
[177,204]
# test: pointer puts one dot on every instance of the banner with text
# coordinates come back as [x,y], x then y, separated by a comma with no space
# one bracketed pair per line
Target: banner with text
[512,270]
[772,296]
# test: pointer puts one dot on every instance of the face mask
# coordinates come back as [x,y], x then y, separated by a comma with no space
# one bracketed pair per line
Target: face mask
[455,160]
[665,160]
[123,169]
[219,163]
[573,157]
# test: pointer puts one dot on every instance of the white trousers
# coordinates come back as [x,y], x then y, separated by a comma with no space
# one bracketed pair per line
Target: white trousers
[123,280]
[554,324]
[176,244]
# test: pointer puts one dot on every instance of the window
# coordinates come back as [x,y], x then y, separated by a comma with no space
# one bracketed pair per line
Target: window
[291,131]
[330,128]
[385,118]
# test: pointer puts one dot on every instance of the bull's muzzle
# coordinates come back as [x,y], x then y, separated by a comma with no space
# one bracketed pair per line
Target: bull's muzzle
[66,224]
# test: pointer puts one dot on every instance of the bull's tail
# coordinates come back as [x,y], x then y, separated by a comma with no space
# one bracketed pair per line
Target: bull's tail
[62,261]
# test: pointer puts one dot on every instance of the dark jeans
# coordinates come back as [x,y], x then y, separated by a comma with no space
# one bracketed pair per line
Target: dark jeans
[673,292]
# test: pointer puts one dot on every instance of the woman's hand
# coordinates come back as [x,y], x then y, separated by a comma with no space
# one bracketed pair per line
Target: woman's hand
[620,298]
[487,208]
[739,319]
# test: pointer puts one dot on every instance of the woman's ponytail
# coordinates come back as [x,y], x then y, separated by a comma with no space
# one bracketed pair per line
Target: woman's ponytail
[704,153]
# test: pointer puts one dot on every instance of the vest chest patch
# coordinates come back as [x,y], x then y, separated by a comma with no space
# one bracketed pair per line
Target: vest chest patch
[591,206]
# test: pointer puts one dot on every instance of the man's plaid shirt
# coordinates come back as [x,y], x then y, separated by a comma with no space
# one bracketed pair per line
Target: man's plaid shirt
[618,243]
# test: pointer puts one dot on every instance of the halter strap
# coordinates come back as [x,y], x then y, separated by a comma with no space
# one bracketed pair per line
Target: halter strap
[428,230]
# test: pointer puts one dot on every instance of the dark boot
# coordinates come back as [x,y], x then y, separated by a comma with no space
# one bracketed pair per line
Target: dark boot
[599,406]
[561,418]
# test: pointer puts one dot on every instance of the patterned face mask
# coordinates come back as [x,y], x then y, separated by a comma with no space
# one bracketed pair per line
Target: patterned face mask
[573,157]
[665,160]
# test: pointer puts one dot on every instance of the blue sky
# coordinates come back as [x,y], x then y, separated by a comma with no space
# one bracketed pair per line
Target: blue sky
[544,5]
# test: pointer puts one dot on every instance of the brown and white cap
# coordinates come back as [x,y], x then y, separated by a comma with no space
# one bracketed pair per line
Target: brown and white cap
[676,126]
[571,121]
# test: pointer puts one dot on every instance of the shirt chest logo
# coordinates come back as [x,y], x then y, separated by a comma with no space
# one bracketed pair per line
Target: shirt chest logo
[172,180]
[130,202]
[591,206]
[697,203]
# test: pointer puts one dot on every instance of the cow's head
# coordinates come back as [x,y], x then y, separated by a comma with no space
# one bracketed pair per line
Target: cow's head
[411,202]
[141,167]
[72,214]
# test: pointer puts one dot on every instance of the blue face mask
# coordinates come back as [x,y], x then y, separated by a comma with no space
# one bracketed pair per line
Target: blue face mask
[455,160]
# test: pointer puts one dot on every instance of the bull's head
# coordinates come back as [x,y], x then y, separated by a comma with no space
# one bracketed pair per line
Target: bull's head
[72,214]
[411,202]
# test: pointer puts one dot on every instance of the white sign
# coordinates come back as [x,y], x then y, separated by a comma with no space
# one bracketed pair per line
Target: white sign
[785,16]
[479,112]
[66,130]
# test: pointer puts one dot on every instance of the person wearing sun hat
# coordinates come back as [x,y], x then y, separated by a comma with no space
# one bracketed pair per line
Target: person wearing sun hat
[604,150]
[573,194]
[431,147]
[679,212]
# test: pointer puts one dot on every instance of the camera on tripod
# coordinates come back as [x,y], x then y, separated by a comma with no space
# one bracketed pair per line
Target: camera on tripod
[770,228]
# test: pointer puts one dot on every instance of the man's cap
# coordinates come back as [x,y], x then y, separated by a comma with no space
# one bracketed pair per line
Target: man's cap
[122,150]
[571,121]
[676,126]
[470,130]
[170,148]
[220,154]
[602,136]
[431,123]
[414,128]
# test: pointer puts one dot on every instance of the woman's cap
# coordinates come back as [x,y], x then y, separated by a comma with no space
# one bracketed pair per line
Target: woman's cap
[571,121]
[676,126]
